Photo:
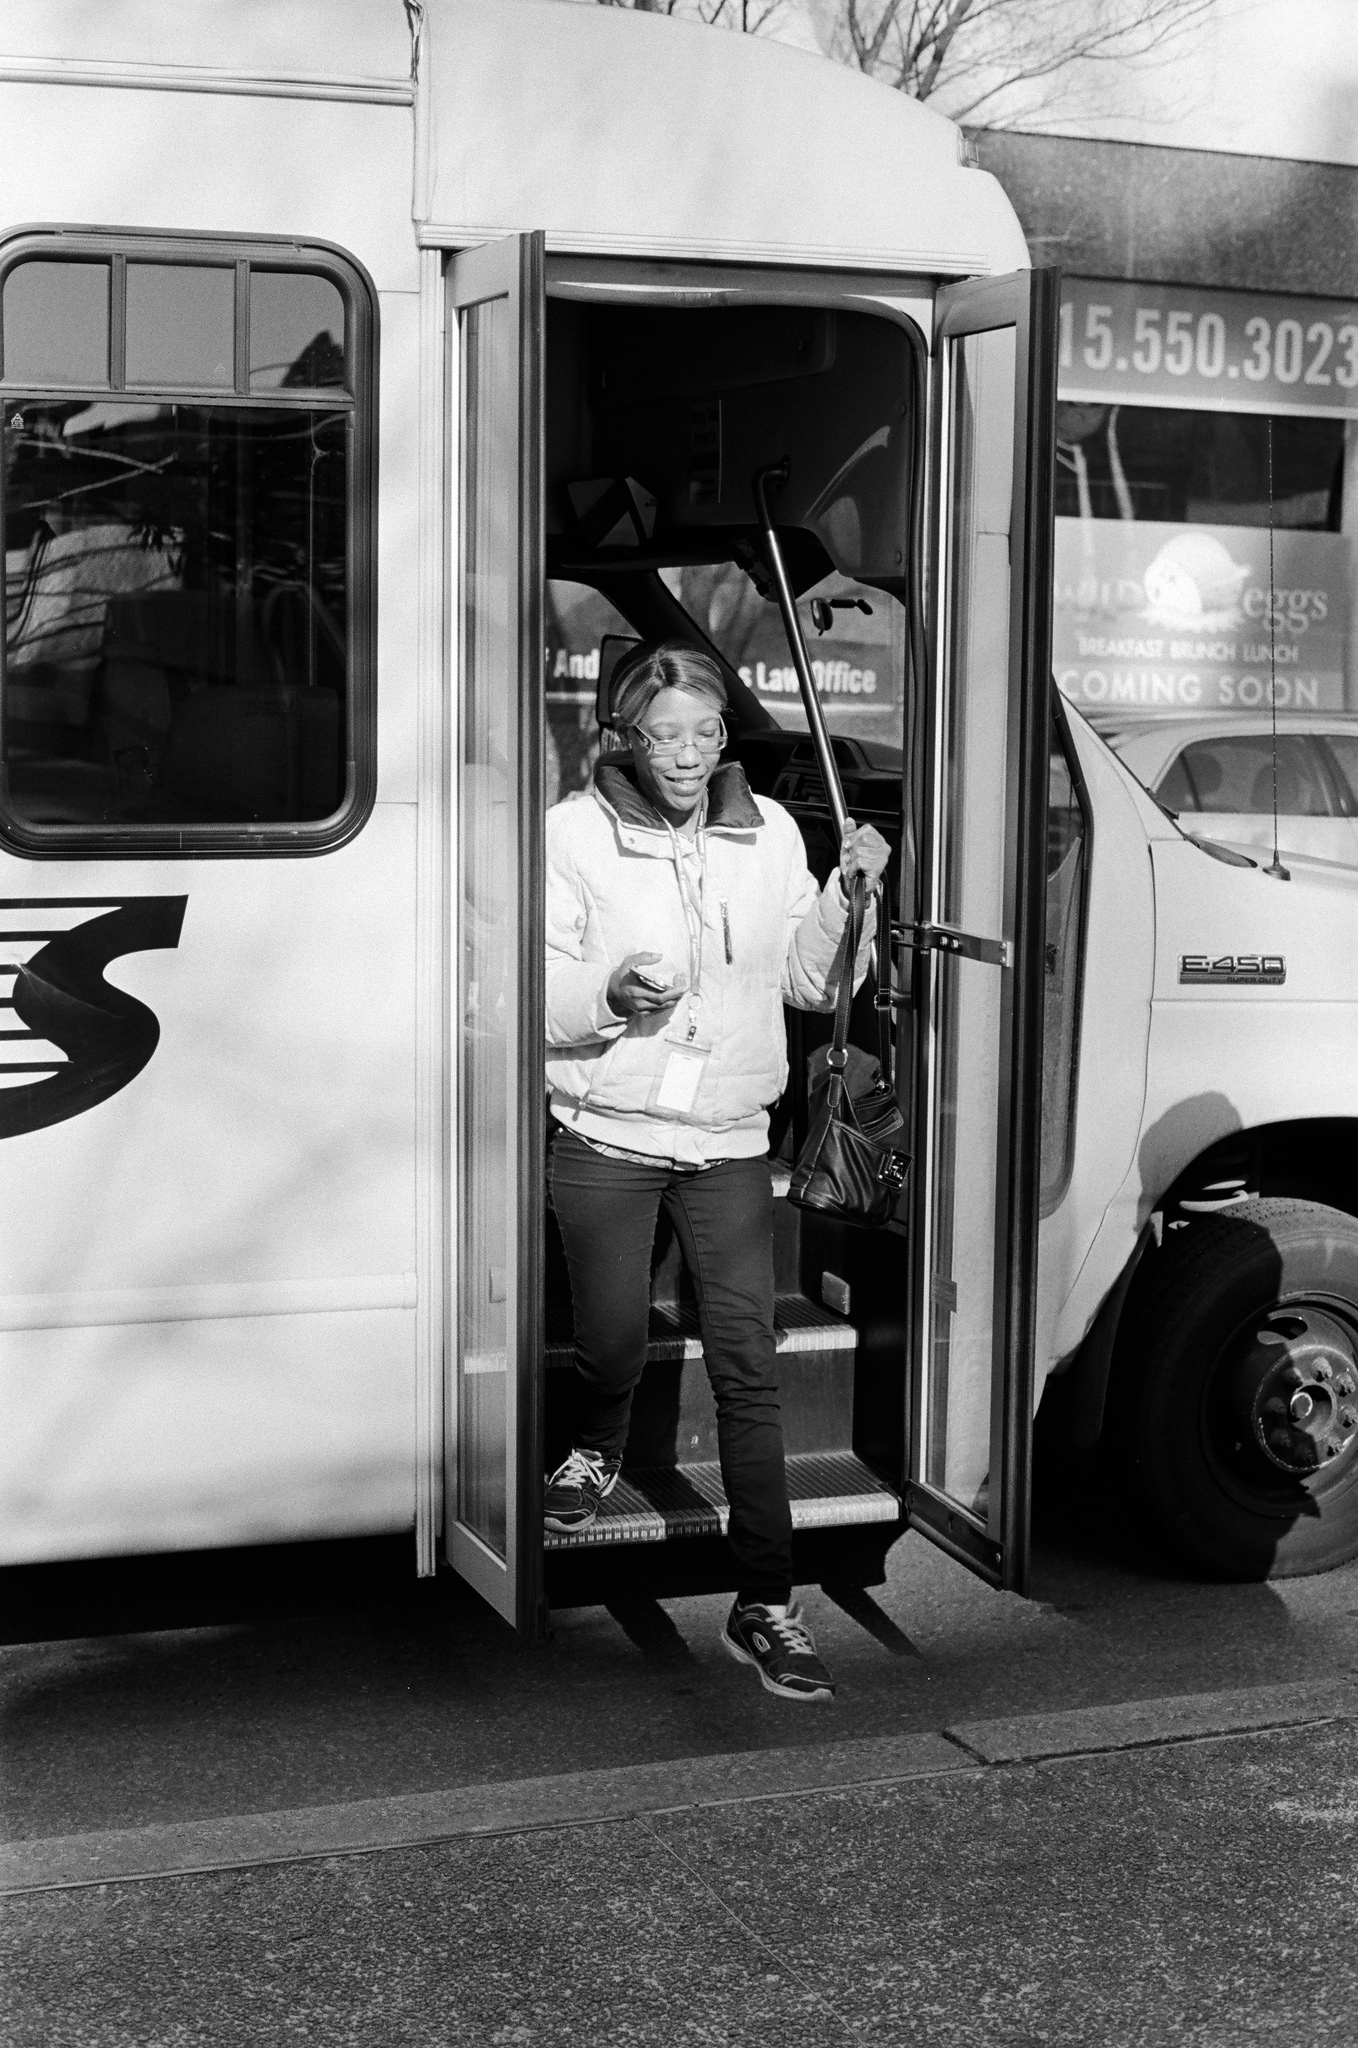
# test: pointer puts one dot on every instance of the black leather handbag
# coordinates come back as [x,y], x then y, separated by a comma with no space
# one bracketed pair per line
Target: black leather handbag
[846,1168]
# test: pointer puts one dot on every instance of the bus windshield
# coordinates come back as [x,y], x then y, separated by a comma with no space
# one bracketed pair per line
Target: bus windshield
[856,638]
[660,421]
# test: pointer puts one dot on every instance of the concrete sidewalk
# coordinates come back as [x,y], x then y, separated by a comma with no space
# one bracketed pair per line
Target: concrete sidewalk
[1174,1886]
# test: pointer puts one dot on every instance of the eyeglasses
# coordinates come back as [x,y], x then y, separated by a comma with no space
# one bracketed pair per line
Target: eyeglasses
[708,739]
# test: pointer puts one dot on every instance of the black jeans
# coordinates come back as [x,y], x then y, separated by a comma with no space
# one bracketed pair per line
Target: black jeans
[723,1218]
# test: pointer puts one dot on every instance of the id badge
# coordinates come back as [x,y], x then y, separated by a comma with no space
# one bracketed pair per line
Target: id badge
[676,1090]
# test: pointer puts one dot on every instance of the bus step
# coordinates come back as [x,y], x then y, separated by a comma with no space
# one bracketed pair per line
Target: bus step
[801,1326]
[661,1503]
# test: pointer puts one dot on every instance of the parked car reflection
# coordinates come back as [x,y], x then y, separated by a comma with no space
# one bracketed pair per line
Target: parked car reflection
[1217,775]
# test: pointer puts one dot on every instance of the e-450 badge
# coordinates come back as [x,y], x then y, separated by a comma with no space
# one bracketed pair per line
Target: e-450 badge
[1232,970]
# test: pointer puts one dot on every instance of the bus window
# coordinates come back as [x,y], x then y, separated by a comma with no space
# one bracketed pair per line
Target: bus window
[182,665]
[181,325]
[56,323]
[296,330]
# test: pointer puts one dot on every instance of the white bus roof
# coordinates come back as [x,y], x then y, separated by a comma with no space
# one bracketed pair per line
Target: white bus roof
[628,132]
[359,48]
[618,132]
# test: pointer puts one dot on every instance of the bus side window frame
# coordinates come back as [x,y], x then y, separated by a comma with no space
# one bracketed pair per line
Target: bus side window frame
[136,840]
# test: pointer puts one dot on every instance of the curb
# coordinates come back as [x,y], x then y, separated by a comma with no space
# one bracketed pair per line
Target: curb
[1137,1724]
[584,1798]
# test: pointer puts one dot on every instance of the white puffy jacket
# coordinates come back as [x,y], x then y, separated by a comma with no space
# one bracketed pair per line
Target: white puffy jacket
[613,889]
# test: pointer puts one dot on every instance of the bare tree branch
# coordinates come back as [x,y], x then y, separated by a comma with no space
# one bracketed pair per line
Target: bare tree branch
[976,50]
[748,17]
[969,52]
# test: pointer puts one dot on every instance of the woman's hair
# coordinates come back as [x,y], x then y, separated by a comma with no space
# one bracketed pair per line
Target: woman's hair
[656,665]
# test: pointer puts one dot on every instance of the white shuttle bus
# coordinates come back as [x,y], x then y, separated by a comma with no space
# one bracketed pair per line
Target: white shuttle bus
[370,374]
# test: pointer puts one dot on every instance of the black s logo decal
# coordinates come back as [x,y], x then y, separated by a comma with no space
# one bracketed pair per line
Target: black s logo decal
[60,998]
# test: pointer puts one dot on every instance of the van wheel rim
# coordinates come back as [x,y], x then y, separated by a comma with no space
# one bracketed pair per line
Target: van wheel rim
[1289,1378]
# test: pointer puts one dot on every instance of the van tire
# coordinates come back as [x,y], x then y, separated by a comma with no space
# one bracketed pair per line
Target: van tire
[1234,1403]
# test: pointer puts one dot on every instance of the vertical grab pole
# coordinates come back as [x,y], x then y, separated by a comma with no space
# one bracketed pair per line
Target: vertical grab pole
[815,716]
[792,625]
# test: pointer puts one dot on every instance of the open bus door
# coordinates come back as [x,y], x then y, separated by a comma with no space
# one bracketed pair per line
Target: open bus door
[493,1407]
[977,939]
[974,893]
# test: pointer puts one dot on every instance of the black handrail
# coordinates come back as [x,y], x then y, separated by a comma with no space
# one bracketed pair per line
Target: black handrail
[792,625]
[778,473]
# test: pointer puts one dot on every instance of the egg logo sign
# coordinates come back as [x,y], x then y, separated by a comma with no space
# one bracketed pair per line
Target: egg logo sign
[77,1039]
[1193,586]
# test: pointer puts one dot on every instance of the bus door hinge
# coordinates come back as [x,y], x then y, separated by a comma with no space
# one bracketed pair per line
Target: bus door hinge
[943,938]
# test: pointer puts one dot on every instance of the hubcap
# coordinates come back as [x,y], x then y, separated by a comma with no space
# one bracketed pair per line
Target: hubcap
[1295,1387]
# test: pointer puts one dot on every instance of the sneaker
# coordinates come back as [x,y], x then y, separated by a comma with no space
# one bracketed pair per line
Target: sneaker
[576,1488]
[779,1644]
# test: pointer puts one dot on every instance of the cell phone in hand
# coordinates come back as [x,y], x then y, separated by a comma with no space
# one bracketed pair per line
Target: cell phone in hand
[657,984]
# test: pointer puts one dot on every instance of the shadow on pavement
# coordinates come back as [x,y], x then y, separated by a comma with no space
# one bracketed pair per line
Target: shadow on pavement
[142,1690]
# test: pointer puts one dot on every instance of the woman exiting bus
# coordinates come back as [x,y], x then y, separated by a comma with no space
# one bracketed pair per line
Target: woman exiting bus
[681,916]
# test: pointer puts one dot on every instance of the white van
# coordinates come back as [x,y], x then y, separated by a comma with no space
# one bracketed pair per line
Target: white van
[343,348]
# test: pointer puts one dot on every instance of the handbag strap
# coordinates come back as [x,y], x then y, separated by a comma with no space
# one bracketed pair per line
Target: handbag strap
[837,1056]
[886,1022]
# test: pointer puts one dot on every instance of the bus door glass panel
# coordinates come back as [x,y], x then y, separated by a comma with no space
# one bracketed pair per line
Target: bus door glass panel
[496,1034]
[971,846]
[985,868]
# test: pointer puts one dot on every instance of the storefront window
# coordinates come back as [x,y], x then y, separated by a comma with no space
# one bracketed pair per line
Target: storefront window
[1197,468]
[1206,501]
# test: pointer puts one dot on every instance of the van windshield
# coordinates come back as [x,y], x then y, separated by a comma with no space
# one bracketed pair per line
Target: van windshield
[673,434]
[856,640]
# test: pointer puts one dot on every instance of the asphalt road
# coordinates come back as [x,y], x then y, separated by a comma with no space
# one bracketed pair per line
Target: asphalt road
[1189,1888]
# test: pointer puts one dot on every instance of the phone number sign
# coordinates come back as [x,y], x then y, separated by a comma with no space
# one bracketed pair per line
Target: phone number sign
[1240,351]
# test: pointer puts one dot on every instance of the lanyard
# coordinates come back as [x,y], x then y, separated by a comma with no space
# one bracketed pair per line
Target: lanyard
[692,897]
